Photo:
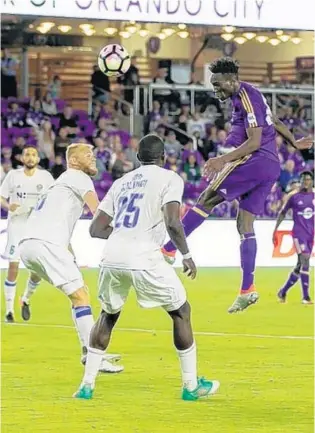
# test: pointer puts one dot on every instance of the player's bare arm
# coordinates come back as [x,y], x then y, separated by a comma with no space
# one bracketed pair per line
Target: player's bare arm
[100,226]
[286,134]
[214,165]
[175,230]
[8,206]
[91,200]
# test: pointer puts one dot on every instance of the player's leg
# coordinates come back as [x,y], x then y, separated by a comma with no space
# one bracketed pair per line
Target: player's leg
[292,279]
[31,286]
[10,290]
[194,217]
[305,277]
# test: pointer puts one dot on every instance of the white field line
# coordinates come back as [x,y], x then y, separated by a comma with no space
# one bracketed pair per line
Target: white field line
[156,331]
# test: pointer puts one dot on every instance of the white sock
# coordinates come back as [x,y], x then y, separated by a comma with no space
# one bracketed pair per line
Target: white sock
[84,321]
[93,363]
[29,290]
[188,365]
[76,327]
[9,294]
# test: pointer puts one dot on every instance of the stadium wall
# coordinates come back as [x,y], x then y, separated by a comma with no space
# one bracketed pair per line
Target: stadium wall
[214,244]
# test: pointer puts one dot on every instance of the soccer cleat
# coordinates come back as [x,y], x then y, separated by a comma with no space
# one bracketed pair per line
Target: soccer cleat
[282,298]
[307,301]
[106,366]
[204,389]
[85,392]
[243,301]
[9,318]
[25,310]
[169,256]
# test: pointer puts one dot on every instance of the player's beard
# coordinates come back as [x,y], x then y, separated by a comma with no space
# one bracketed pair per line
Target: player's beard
[30,166]
[91,171]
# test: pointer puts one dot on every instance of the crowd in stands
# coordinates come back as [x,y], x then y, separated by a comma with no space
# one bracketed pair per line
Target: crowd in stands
[50,124]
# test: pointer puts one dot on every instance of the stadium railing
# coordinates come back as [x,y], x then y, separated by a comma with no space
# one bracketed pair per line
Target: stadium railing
[181,132]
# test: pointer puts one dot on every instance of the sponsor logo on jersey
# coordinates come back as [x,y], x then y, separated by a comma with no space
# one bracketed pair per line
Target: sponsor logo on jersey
[307,213]
[39,187]
[251,118]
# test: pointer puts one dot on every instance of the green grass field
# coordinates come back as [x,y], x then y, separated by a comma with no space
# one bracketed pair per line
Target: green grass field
[263,358]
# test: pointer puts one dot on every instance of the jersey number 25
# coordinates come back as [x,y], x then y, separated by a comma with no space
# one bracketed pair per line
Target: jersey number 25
[128,213]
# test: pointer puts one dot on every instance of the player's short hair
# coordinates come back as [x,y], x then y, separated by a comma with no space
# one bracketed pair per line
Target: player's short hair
[29,146]
[307,173]
[151,148]
[75,148]
[224,65]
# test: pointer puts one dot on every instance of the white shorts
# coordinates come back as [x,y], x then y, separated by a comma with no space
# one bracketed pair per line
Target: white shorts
[12,252]
[158,287]
[53,263]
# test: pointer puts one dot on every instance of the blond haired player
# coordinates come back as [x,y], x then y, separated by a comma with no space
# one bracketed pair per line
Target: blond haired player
[19,193]
[45,244]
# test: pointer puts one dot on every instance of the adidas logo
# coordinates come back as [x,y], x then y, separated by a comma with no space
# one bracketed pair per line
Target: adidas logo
[223,190]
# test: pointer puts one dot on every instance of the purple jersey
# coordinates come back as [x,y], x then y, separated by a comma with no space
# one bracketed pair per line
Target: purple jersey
[250,110]
[302,205]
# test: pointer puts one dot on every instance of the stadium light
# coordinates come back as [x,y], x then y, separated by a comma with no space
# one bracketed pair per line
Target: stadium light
[64,28]
[169,31]
[131,28]
[143,32]
[183,34]
[124,34]
[284,38]
[279,32]
[240,40]
[161,36]
[229,29]
[249,35]
[227,36]
[182,26]
[274,42]
[262,38]
[111,31]
[296,40]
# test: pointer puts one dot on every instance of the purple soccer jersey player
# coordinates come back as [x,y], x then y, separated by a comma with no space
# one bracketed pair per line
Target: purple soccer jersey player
[301,202]
[247,173]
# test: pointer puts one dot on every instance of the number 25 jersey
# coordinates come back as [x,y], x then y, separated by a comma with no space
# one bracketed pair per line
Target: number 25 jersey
[135,203]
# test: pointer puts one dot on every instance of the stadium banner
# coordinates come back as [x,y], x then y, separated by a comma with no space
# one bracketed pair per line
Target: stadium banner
[245,13]
[214,244]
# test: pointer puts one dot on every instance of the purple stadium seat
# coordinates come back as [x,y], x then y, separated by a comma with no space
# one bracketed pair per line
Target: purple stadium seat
[81,114]
[55,122]
[60,103]
[15,132]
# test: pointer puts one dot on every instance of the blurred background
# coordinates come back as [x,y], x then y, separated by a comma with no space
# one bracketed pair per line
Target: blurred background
[52,94]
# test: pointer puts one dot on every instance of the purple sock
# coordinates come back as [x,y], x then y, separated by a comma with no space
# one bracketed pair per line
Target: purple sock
[248,251]
[293,277]
[192,219]
[305,279]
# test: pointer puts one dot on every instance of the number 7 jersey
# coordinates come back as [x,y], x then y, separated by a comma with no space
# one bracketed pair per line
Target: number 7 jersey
[135,203]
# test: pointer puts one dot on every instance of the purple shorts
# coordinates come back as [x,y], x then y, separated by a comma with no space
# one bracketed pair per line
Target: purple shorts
[249,180]
[303,246]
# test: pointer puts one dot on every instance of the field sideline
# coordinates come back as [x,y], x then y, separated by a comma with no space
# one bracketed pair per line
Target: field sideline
[263,359]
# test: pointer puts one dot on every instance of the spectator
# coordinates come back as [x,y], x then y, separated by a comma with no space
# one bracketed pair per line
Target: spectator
[196,124]
[183,117]
[172,162]
[188,150]
[96,112]
[6,153]
[101,84]
[58,168]
[62,142]
[273,202]
[171,144]
[132,150]
[153,118]
[103,152]
[15,117]
[130,78]
[46,139]
[160,132]
[49,105]
[209,145]
[5,168]
[67,119]
[121,166]
[165,95]
[8,75]
[35,116]
[287,174]
[17,150]
[37,97]
[54,88]
[192,169]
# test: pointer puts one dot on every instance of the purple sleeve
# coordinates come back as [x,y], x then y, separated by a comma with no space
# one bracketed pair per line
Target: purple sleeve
[255,109]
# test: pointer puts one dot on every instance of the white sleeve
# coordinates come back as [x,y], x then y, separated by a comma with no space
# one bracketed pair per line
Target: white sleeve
[49,180]
[107,204]
[174,190]
[82,184]
[6,185]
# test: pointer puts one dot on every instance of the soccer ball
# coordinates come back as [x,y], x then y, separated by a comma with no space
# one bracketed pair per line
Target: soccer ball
[114,60]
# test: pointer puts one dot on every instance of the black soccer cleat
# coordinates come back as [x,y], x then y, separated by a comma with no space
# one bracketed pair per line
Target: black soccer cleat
[25,311]
[9,318]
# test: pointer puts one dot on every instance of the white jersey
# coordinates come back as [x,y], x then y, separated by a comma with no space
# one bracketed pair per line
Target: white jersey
[135,203]
[56,214]
[18,188]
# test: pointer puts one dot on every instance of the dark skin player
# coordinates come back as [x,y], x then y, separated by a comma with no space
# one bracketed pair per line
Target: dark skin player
[100,228]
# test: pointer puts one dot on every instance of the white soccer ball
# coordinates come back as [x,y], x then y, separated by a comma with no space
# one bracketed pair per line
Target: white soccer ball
[114,60]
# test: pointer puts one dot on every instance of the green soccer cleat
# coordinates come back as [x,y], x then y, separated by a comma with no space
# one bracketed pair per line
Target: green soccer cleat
[243,301]
[85,392]
[205,387]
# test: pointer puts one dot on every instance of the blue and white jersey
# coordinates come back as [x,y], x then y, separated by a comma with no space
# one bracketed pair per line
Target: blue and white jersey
[135,203]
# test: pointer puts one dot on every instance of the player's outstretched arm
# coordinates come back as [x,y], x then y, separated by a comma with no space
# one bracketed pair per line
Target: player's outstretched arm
[91,200]
[286,134]
[281,216]
[100,226]
[176,232]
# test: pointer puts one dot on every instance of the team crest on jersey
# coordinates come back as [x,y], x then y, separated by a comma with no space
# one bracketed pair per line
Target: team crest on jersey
[251,118]
[18,186]
[39,187]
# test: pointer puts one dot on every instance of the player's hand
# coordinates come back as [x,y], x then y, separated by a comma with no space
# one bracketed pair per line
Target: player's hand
[275,239]
[305,142]
[189,268]
[13,207]
[214,165]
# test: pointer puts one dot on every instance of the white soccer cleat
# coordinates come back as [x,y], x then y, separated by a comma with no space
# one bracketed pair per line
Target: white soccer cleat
[107,367]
